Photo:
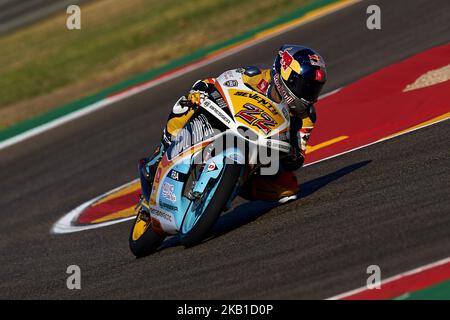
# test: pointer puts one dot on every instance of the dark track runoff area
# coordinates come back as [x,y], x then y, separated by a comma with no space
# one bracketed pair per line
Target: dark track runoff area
[387,204]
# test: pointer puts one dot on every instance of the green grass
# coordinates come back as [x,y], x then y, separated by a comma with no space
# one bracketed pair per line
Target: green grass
[46,65]
[440,291]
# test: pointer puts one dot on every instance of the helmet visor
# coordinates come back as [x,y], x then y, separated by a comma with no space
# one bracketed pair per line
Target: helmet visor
[303,88]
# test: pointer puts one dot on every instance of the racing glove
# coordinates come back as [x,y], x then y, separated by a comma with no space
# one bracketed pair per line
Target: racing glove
[295,159]
[196,97]
[301,107]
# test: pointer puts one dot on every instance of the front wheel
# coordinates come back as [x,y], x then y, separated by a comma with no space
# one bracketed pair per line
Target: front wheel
[214,208]
[143,239]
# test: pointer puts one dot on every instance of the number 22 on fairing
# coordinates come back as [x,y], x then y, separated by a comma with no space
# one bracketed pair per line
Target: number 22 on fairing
[250,115]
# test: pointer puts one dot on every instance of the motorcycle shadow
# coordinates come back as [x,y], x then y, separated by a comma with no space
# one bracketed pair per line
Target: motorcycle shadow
[249,211]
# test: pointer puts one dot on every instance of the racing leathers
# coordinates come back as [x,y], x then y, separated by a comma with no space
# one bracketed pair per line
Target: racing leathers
[280,187]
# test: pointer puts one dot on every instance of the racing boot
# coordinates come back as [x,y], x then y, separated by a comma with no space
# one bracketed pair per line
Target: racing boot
[282,187]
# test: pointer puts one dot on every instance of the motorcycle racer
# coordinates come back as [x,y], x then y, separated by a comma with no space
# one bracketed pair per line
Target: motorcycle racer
[296,79]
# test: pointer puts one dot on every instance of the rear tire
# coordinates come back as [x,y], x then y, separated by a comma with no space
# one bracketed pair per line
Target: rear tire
[147,243]
[214,208]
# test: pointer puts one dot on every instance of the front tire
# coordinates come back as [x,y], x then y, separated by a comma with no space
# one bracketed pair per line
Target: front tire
[213,210]
[143,239]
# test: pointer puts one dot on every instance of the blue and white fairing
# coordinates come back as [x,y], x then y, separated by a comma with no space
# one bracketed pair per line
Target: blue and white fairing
[181,179]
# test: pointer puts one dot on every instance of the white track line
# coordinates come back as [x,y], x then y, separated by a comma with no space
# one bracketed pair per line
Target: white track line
[394,278]
[65,224]
[153,83]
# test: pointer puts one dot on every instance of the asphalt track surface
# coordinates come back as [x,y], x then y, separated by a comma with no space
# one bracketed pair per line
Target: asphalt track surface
[386,204]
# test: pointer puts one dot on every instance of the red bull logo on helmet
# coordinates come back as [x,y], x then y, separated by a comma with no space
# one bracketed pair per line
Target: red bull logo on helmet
[315,60]
[286,59]
[288,64]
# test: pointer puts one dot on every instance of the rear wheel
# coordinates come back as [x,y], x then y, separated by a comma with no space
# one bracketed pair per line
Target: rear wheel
[214,208]
[143,239]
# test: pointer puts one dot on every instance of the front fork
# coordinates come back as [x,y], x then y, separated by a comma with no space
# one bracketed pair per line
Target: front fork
[147,167]
[145,184]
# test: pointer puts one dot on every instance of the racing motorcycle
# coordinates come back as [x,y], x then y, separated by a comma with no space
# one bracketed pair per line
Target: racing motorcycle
[201,172]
